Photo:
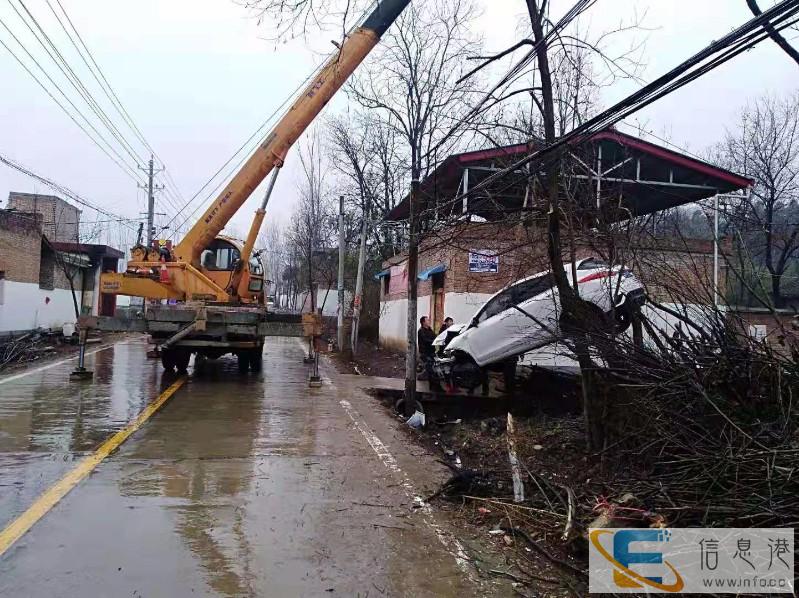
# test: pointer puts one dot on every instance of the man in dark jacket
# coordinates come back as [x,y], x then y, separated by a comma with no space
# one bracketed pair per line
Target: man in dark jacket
[425,338]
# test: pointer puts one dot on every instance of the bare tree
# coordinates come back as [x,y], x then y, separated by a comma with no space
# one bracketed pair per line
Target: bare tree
[366,152]
[413,82]
[765,147]
[313,223]
[274,256]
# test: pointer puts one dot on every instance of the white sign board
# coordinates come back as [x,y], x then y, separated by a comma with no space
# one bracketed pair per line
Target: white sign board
[483,260]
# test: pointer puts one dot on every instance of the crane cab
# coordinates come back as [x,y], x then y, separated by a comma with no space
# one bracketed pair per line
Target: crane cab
[222,258]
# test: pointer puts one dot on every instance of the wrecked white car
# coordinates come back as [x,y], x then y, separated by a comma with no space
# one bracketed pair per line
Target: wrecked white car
[526,315]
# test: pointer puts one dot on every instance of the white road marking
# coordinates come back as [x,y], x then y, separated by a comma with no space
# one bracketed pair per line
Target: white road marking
[450,543]
[56,363]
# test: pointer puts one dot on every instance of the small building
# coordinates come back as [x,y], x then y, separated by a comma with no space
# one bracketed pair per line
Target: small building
[475,244]
[43,283]
[60,219]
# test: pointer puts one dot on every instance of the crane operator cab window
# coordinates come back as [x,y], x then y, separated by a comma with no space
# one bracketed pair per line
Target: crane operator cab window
[220,255]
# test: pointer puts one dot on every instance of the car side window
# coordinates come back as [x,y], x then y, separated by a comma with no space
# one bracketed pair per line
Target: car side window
[497,305]
[533,287]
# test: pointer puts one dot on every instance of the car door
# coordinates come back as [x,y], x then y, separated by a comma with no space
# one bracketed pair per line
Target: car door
[504,326]
[537,298]
[490,327]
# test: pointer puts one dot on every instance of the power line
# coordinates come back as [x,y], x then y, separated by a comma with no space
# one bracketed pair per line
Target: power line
[63,190]
[244,145]
[99,76]
[66,69]
[119,161]
[247,143]
[62,65]
[743,38]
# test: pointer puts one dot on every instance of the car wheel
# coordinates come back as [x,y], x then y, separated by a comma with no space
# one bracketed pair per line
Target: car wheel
[399,406]
[623,319]
[244,361]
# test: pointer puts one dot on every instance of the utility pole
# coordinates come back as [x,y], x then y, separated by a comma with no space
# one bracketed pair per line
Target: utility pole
[356,304]
[341,250]
[413,266]
[150,188]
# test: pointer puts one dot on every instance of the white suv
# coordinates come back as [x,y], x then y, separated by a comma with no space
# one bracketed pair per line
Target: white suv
[526,315]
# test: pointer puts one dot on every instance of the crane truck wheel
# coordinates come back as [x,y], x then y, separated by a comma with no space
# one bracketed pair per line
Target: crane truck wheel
[168,359]
[244,361]
[256,359]
[182,357]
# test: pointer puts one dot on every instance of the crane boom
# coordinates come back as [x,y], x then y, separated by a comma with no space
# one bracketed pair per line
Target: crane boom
[272,152]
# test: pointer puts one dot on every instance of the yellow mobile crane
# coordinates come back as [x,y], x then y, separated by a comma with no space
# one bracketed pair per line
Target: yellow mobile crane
[217,283]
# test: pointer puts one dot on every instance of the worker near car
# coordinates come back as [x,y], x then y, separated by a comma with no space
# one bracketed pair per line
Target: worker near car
[425,338]
[447,323]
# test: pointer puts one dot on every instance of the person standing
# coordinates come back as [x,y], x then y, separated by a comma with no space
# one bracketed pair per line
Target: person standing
[447,323]
[425,338]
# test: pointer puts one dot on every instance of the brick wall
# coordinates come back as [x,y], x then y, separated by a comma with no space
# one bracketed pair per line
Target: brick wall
[20,246]
[781,328]
[671,271]
[60,220]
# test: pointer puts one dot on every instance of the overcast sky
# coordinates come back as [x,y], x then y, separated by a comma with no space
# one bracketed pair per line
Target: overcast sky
[198,77]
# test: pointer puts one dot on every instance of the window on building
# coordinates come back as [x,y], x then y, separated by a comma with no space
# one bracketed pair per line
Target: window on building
[386,283]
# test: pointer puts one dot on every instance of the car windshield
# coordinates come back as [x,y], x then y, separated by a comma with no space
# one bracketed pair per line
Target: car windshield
[593,264]
[533,287]
[496,305]
[518,293]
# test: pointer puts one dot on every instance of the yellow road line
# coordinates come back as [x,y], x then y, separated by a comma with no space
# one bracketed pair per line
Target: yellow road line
[51,497]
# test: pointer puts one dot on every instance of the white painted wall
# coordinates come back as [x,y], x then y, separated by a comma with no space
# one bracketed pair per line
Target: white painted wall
[461,307]
[330,303]
[24,307]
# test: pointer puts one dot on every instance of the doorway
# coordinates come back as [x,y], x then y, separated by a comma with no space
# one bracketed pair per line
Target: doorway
[437,301]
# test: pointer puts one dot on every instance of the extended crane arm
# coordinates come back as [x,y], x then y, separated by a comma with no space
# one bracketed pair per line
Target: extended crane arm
[272,152]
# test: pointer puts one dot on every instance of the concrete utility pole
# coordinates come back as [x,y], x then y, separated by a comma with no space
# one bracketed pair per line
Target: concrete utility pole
[341,250]
[356,312]
[413,266]
[151,188]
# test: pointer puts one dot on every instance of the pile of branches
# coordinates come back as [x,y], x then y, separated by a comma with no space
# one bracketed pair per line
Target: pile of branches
[22,348]
[702,424]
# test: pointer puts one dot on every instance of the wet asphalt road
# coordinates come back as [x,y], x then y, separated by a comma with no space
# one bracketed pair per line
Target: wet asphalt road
[239,486]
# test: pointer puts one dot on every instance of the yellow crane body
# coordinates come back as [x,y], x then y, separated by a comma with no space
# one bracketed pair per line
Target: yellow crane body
[187,278]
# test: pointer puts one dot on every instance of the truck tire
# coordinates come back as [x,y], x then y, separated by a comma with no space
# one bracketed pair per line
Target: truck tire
[244,361]
[168,359]
[257,360]
[182,357]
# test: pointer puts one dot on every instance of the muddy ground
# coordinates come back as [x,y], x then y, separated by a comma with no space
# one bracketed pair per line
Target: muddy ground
[470,436]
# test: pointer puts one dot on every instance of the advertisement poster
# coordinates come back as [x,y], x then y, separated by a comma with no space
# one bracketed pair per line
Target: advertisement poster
[483,260]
